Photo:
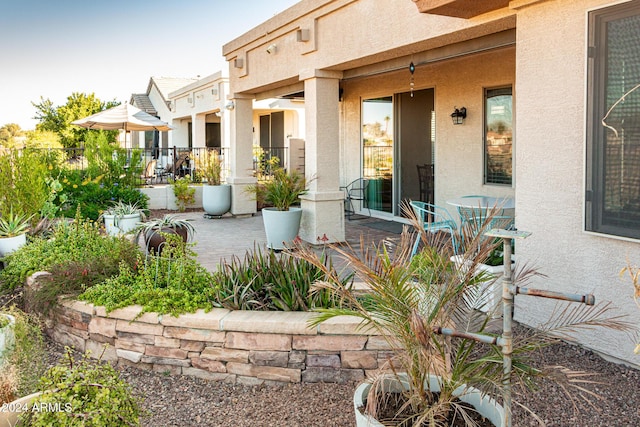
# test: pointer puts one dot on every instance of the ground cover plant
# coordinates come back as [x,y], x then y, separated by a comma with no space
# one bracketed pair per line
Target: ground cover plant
[23,362]
[173,283]
[87,393]
[265,280]
[77,253]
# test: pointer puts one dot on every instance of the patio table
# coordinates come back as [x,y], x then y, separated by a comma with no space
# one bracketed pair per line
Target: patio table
[483,202]
[474,208]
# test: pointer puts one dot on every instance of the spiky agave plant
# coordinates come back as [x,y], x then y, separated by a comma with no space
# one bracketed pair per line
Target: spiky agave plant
[409,301]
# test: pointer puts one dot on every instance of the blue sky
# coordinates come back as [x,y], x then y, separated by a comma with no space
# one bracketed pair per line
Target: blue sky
[112,48]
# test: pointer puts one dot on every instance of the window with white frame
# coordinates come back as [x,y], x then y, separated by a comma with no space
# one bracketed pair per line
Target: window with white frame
[613,116]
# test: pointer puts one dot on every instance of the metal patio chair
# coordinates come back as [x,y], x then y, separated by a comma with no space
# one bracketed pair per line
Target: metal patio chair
[434,218]
[356,191]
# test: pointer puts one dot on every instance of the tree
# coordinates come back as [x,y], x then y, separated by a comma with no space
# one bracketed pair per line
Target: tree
[8,133]
[58,119]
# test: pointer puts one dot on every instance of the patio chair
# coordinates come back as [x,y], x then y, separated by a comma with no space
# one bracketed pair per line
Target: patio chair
[434,219]
[149,173]
[356,190]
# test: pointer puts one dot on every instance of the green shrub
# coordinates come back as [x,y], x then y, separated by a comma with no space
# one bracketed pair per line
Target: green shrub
[94,195]
[174,283]
[270,281]
[80,241]
[24,361]
[185,195]
[88,394]
[22,180]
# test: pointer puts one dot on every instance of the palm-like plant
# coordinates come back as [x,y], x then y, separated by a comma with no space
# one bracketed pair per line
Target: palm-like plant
[281,190]
[209,167]
[14,224]
[410,301]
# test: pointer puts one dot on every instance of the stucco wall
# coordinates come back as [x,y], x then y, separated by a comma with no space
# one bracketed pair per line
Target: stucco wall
[345,34]
[550,172]
[458,149]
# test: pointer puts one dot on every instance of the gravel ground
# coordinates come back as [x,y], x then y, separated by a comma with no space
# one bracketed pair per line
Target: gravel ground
[188,401]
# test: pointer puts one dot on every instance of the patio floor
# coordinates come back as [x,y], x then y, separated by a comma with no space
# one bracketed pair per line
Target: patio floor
[220,239]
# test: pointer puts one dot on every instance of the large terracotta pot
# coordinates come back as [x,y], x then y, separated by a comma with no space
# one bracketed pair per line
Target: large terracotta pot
[483,404]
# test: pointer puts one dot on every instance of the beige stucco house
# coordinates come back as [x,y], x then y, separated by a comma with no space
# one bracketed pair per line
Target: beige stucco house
[380,80]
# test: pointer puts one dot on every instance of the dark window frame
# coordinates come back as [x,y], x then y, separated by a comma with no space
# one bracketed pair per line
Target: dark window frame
[596,219]
[487,179]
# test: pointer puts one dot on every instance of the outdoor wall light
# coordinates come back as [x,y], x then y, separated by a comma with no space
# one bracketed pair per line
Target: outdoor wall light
[230,105]
[458,115]
[272,48]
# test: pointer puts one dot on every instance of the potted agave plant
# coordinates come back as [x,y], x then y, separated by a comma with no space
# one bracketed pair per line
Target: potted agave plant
[122,218]
[13,232]
[216,196]
[279,192]
[435,377]
[153,230]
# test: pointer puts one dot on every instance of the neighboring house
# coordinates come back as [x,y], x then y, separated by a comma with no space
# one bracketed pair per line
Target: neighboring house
[536,77]
[198,110]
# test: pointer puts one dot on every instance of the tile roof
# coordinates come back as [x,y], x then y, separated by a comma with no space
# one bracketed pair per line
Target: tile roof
[142,101]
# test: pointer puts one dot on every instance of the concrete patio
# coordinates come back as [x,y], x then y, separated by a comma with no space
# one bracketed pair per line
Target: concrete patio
[220,239]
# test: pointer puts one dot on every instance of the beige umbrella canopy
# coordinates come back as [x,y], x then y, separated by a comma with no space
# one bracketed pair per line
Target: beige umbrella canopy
[125,117]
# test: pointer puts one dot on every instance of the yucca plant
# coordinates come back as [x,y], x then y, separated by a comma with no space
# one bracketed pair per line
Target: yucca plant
[281,190]
[410,300]
[14,224]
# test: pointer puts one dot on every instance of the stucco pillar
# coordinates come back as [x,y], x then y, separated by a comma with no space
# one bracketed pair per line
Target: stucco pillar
[241,156]
[198,130]
[323,205]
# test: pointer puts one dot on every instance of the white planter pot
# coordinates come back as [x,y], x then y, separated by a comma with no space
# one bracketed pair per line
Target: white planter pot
[9,417]
[10,244]
[120,225]
[6,335]
[216,199]
[485,405]
[281,227]
[488,296]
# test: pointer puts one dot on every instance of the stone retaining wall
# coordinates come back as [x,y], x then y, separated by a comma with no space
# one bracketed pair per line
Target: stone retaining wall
[234,346]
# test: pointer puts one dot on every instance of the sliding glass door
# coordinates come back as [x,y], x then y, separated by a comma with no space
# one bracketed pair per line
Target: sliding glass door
[378,152]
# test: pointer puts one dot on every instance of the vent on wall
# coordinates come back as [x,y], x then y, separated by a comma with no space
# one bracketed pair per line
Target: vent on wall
[238,62]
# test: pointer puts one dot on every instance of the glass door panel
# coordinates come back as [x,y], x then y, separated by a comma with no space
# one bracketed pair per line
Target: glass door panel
[377,142]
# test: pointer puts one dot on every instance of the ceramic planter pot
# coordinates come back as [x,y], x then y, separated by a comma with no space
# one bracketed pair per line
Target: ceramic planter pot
[281,227]
[117,225]
[6,334]
[488,296]
[483,404]
[154,240]
[216,199]
[10,244]
[9,417]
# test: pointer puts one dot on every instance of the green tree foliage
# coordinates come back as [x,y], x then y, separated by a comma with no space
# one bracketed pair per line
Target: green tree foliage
[8,133]
[22,180]
[42,139]
[58,118]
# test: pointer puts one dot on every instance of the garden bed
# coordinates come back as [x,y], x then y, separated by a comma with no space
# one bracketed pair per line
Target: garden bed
[233,346]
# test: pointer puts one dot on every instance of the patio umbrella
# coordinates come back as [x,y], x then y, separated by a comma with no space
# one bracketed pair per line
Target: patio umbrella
[125,117]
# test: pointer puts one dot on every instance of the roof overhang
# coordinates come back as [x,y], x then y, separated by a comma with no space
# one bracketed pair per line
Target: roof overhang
[460,8]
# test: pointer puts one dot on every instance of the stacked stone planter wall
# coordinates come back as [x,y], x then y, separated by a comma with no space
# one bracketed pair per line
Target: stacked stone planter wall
[233,346]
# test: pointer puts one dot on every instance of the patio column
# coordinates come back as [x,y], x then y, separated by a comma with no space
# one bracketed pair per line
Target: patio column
[241,155]
[198,130]
[323,205]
